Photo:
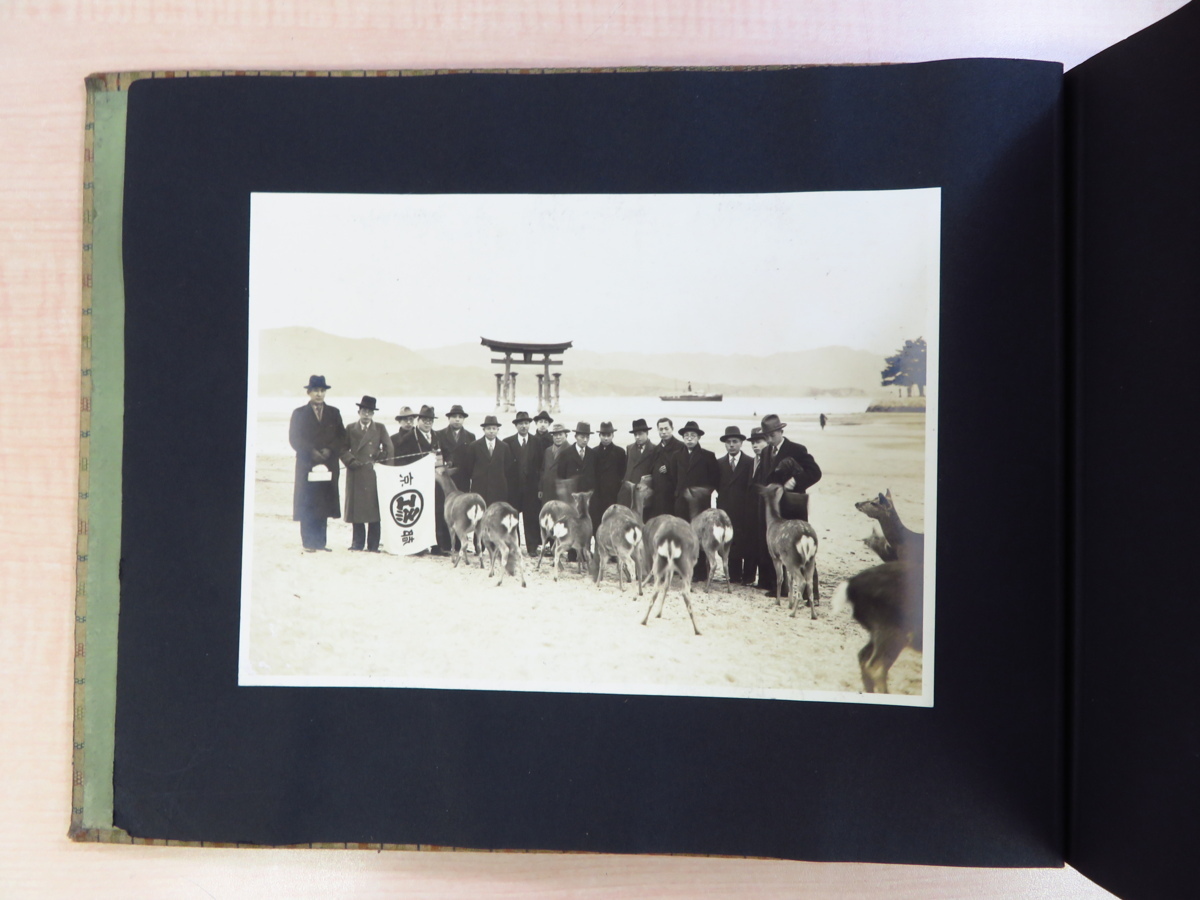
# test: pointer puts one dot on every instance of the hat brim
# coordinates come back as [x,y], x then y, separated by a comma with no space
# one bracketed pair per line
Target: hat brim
[695,431]
[733,437]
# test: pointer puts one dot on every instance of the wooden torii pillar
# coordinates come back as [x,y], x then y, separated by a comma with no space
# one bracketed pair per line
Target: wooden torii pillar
[522,354]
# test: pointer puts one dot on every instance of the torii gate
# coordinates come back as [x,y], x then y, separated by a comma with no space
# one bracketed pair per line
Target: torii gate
[506,381]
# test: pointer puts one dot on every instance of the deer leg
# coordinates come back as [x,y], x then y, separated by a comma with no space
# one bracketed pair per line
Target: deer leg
[778,579]
[687,601]
[478,542]
[653,596]
[725,566]
[863,655]
[816,586]
[455,550]
[637,571]
[712,564]
[887,648]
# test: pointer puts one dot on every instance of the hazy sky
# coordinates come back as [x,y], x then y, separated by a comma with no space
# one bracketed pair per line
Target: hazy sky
[717,273]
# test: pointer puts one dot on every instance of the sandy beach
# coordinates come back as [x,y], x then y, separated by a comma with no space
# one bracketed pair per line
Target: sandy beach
[344,618]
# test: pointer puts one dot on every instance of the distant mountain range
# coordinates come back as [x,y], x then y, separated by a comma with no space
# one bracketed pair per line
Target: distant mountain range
[288,355]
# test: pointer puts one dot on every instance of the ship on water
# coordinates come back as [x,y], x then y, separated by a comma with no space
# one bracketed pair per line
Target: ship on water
[689,394]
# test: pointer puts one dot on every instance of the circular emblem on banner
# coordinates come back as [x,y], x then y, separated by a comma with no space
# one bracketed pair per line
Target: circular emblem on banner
[406,508]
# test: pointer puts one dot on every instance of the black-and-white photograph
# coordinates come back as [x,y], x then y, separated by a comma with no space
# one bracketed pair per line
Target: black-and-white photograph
[672,444]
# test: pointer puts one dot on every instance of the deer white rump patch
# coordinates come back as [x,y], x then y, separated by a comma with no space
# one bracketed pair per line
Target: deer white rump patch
[806,547]
[560,529]
[841,599]
[633,535]
[722,534]
[670,550]
[509,522]
[475,513]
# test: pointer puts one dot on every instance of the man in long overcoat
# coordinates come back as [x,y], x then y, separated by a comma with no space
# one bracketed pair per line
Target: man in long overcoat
[608,471]
[735,497]
[696,474]
[317,435]
[523,487]
[426,443]
[367,443]
[549,482]
[489,464]
[453,441]
[639,458]
[662,471]
[758,560]
[696,477]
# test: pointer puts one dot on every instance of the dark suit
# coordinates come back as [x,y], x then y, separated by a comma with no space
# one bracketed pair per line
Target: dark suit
[317,442]
[735,496]
[758,558]
[523,487]
[404,448]
[583,469]
[453,444]
[794,502]
[663,501]
[608,470]
[694,469]
[638,461]
[489,471]
[549,480]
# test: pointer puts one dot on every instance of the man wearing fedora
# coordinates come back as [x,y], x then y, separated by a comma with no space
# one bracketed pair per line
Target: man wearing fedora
[576,465]
[662,470]
[549,483]
[608,471]
[757,561]
[542,438]
[367,443]
[696,474]
[427,443]
[790,464]
[489,464]
[639,458]
[523,487]
[453,440]
[317,435]
[404,441]
[797,476]
[696,477]
[736,498]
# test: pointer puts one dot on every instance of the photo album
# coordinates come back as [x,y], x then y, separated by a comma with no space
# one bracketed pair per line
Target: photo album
[692,461]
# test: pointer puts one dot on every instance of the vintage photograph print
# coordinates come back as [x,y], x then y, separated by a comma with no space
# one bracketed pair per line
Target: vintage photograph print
[669,444]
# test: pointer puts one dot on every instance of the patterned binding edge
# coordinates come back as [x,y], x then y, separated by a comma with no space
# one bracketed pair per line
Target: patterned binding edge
[120,81]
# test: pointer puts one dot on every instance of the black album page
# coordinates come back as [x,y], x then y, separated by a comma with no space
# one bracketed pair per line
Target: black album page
[1135,140]
[700,253]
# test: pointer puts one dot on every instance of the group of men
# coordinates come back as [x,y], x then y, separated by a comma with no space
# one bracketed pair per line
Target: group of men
[538,463]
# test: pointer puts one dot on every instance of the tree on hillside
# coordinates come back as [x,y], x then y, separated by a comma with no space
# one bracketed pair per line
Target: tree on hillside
[906,368]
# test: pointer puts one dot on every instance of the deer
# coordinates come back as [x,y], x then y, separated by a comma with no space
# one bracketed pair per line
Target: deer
[672,548]
[552,511]
[905,543]
[714,531]
[620,535]
[792,544]
[642,493]
[887,601]
[463,511]
[574,532]
[502,539]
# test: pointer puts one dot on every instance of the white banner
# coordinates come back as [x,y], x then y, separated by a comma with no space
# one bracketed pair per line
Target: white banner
[406,504]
